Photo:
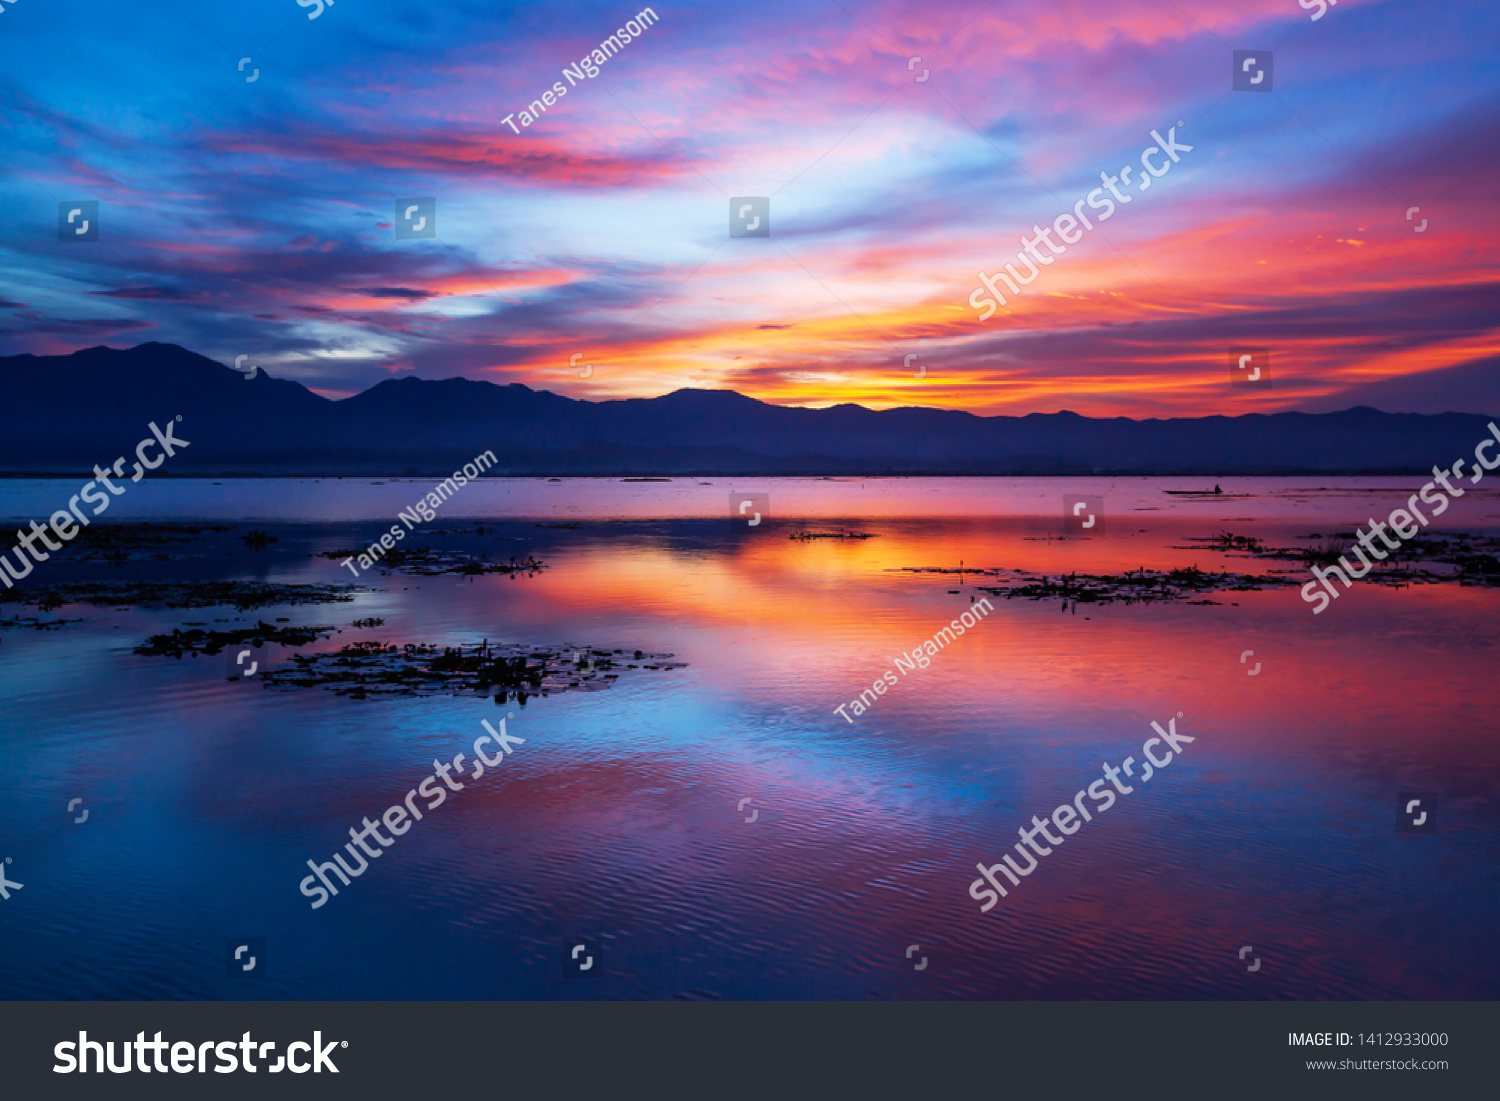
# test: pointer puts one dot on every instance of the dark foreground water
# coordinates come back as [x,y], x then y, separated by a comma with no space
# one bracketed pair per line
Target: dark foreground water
[619,823]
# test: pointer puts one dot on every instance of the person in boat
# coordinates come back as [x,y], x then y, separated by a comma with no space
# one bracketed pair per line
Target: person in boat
[1217,490]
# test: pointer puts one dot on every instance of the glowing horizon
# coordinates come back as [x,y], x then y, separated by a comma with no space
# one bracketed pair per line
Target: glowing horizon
[256,218]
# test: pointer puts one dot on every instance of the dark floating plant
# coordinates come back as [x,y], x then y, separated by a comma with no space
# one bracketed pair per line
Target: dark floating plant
[1140,586]
[363,669]
[119,542]
[243,595]
[198,641]
[1450,558]
[808,536]
[1425,559]
[426,562]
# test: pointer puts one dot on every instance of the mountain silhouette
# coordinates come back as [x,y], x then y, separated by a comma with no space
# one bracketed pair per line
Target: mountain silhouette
[63,414]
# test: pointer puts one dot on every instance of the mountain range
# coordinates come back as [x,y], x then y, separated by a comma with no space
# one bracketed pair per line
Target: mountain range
[62,414]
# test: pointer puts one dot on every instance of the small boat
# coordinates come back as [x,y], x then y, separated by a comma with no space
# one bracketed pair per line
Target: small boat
[1215,492]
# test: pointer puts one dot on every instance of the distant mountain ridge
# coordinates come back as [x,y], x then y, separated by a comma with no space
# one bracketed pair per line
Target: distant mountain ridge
[63,414]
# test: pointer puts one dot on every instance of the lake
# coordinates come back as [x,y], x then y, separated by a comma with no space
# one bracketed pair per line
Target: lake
[718,830]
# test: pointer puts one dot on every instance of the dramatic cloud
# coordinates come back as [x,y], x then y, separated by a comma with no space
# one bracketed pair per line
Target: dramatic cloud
[1346,220]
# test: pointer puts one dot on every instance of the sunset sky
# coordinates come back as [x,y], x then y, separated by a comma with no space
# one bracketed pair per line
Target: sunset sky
[256,218]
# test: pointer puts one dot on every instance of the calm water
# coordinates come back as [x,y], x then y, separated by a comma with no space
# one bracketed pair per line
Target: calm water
[618,822]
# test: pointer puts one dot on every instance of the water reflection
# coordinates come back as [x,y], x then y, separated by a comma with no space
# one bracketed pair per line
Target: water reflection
[621,822]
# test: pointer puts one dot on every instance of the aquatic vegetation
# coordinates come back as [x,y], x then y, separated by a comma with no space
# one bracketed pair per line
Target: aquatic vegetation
[806,536]
[243,595]
[425,562]
[198,641]
[366,668]
[1412,562]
